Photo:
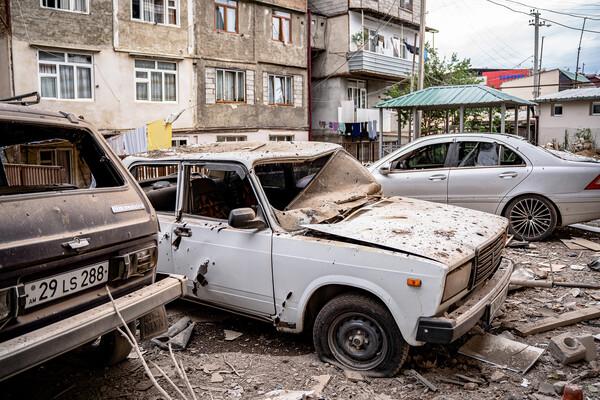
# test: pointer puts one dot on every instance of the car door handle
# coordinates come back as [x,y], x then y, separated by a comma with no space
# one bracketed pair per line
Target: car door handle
[438,177]
[508,175]
[182,231]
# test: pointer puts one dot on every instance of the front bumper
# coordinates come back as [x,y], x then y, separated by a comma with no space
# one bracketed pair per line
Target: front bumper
[483,302]
[33,348]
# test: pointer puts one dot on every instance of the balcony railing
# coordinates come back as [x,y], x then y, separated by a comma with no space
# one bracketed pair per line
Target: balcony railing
[370,63]
[31,175]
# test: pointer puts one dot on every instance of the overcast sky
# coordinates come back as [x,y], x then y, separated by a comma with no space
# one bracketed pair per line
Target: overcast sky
[495,37]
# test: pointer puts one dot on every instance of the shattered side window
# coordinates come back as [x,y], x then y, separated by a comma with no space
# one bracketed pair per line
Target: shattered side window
[159,182]
[478,154]
[36,159]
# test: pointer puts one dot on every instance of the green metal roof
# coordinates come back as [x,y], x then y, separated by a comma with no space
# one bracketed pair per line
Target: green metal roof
[571,76]
[440,97]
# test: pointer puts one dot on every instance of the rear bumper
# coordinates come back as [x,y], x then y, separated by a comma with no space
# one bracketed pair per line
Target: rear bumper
[479,304]
[33,348]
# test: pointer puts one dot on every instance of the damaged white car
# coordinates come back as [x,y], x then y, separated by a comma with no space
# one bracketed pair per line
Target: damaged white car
[299,234]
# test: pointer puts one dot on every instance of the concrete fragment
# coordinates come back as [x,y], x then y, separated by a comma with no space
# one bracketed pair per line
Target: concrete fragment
[353,376]
[470,386]
[497,376]
[566,348]
[590,347]
[216,378]
[231,335]
[322,381]
[546,388]
[559,387]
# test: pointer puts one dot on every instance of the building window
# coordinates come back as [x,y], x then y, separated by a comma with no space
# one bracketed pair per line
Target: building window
[407,5]
[557,110]
[178,142]
[282,26]
[281,90]
[155,81]
[281,138]
[65,75]
[374,41]
[226,15]
[164,12]
[357,92]
[596,108]
[80,6]
[231,86]
[232,138]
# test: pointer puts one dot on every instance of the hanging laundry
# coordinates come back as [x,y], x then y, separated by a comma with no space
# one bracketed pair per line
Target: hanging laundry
[336,127]
[159,135]
[348,129]
[364,133]
[342,128]
[373,133]
[355,130]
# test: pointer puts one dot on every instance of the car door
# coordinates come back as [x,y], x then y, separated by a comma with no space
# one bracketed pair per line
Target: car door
[420,172]
[483,172]
[229,267]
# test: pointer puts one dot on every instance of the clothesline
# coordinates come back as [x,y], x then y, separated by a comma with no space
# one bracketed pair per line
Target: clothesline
[355,130]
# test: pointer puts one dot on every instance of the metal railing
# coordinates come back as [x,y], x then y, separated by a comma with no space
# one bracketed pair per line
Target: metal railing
[368,152]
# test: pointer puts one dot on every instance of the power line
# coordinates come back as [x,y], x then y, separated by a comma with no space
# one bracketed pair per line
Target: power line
[554,11]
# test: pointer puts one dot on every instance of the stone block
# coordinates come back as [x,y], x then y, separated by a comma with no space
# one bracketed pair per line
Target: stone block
[567,349]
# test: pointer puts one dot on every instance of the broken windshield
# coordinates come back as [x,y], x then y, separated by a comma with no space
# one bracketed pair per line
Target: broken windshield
[316,190]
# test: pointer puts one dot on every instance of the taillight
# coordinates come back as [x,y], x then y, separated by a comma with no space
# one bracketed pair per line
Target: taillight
[8,305]
[594,185]
[133,264]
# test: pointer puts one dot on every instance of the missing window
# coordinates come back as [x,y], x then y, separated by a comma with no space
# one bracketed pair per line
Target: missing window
[159,182]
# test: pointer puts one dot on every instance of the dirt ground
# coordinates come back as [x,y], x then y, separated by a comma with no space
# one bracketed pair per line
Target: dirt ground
[262,360]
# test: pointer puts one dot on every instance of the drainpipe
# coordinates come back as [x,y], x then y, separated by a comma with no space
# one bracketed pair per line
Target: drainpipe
[309,72]
[11,59]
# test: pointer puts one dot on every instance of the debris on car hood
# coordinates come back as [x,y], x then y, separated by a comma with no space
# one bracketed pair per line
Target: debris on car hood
[440,232]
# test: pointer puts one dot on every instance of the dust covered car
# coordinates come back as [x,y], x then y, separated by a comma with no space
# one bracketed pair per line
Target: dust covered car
[298,234]
[74,224]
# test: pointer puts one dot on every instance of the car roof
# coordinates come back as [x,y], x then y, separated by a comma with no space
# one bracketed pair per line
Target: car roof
[247,153]
[504,136]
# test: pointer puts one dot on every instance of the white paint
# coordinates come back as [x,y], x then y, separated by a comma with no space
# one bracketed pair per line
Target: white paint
[576,115]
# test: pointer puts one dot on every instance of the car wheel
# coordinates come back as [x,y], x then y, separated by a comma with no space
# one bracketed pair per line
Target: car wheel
[112,349]
[532,218]
[360,334]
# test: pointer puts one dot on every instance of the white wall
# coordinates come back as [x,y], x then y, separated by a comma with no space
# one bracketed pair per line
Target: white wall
[549,83]
[114,106]
[259,136]
[576,115]
[388,31]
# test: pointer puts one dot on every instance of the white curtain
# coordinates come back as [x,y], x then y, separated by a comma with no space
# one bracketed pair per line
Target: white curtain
[228,87]
[156,86]
[159,11]
[220,18]
[67,82]
[241,87]
[84,83]
[170,87]
[48,84]
[231,20]
[148,6]
[285,26]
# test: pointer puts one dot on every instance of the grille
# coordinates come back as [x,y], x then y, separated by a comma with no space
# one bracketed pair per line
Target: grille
[488,259]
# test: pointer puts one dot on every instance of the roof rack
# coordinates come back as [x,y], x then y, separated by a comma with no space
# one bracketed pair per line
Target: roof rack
[22,99]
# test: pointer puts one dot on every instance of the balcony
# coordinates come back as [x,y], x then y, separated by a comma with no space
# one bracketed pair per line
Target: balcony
[379,65]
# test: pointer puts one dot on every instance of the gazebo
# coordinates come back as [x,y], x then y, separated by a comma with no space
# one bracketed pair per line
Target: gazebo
[459,98]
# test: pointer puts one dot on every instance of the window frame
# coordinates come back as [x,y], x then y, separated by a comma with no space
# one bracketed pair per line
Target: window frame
[277,15]
[553,110]
[166,14]
[225,138]
[404,7]
[411,152]
[272,77]
[148,80]
[454,161]
[282,138]
[56,75]
[235,86]
[362,92]
[595,104]
[70,9]
[225,4]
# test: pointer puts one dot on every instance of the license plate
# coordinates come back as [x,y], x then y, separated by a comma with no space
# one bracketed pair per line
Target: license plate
[496,304]
[58,286]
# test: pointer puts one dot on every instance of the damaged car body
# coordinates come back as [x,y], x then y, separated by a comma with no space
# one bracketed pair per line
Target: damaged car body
[300,235]
[74,225]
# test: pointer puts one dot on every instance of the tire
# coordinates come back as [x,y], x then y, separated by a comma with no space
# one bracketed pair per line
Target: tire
[377,344]
[112,349]
[532,218]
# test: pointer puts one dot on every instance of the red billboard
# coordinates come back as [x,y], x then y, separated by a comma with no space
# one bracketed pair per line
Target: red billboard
[496,78]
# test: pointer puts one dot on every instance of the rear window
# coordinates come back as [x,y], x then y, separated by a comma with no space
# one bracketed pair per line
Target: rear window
[35,159]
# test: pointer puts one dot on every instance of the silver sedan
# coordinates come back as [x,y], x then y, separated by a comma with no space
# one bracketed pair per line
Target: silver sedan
[535,188]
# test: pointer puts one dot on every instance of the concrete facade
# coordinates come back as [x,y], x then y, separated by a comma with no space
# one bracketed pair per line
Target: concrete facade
[551,81]
[348,60]
[109,33]
[575,115]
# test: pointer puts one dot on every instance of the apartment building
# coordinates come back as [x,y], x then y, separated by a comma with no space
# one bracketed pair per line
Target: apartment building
[217,64]
[360,48]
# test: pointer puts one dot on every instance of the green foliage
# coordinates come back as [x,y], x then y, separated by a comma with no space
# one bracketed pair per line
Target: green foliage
[359,38]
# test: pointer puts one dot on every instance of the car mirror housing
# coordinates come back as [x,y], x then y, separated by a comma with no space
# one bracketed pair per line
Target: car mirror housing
[245,218]
[384,169]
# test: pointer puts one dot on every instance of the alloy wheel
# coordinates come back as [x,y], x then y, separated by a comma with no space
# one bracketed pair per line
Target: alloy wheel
[530,218]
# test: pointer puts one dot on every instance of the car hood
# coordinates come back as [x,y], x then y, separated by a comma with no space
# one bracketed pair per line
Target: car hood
[440,232]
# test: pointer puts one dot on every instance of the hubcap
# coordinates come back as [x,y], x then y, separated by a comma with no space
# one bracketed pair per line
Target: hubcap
[357,341]
[530,218]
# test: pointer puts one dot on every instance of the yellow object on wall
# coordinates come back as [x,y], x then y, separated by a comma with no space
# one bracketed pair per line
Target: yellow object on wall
[159,135]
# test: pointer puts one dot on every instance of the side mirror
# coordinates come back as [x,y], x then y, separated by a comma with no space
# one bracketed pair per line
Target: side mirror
[245,218]
[384,169]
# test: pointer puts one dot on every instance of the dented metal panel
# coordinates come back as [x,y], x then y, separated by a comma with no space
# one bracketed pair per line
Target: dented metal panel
[440,232]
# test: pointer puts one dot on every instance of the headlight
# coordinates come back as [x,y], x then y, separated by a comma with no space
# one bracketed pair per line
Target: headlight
[133,264]
[457,281]
[7,304]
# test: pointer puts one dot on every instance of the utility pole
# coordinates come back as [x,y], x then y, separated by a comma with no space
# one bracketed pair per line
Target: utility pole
[541,54]
[536,72]
[578,52]
[417,132]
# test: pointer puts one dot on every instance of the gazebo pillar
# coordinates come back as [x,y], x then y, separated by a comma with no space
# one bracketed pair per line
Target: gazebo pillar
[516,121]
[503,118]
[447,122]
[461,124]
[491,120]
[416,120]
[399,126]
[381,133]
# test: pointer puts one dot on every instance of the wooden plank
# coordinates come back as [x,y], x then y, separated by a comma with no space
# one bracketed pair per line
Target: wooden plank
[570,245]
[588,244]
[585,227]
[565,319]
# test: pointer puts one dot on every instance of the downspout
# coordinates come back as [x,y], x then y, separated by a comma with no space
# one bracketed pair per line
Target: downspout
[10,47]
[309,72]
